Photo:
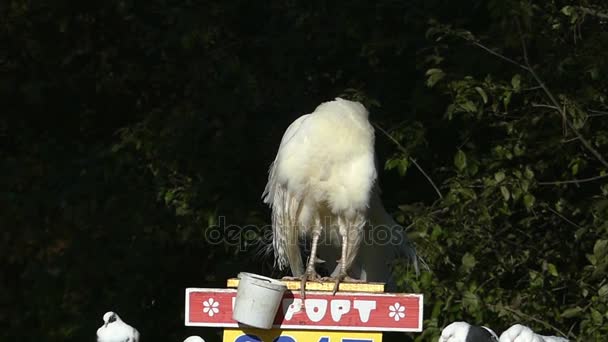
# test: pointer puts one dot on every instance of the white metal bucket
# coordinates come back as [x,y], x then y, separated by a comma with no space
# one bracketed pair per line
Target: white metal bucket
[257,300]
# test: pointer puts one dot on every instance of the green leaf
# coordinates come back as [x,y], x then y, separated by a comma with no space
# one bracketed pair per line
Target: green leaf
[449,112]
[572,312]
[403,166]
[597,317]
[567,10]
[468,262]
[518,151]
[552,270]
[470,301]
[594,73]
[524,185]
[499,176]
[529,173]
[536,279]
[574,168]
[529,200]
[469,106]
[505,193]
[507,99]
[437,231]
[603,291]
[482,93]
[434,76]
[600,249]
[392,163]
[460,160]
[473,168]
[516,82]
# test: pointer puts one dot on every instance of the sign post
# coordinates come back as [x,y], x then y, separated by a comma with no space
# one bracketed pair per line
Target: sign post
[359,315]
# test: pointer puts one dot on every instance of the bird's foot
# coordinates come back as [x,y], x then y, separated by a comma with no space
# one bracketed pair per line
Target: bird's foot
[310,274]
[288,278]
[344,278]
[337,283]
[348,279]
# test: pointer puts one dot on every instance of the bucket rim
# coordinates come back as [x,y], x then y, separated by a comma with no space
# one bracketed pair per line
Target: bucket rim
[262,280]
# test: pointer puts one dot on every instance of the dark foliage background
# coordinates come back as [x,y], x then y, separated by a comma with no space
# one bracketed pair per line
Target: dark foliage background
[129,128]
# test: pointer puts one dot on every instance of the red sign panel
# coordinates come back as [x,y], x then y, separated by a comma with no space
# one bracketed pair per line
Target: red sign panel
[319,311]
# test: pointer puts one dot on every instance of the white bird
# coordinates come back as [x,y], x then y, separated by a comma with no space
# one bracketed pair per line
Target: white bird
[465,332]
[522,333]
[115,330]
[194,339]
[322,183]
[372,263]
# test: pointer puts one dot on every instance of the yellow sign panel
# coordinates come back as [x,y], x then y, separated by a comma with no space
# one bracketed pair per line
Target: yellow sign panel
[277,335]
[323,286]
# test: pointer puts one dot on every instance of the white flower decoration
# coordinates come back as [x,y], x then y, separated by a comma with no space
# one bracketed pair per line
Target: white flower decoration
[211,307]
[397,311]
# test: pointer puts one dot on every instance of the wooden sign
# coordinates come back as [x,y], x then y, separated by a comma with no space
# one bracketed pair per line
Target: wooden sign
[346,311]
[294,285]
[277,335]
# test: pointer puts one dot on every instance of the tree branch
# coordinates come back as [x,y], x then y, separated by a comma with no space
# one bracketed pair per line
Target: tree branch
[501,56]
[546,324]
[563,217]
[597,113]
[555,103]
[538,80]
[527,66]
[402,149]
[593,12]
[574,181]
[540,105]
[427,177]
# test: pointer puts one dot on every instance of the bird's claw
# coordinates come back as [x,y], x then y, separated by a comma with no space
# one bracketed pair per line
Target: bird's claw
[348,279]
[311,275]
[344,278]
[337,283]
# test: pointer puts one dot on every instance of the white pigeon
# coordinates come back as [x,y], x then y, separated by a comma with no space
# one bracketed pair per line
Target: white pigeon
[115,330]
[522,333]
[465,332]
[323,185]
[194,339]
